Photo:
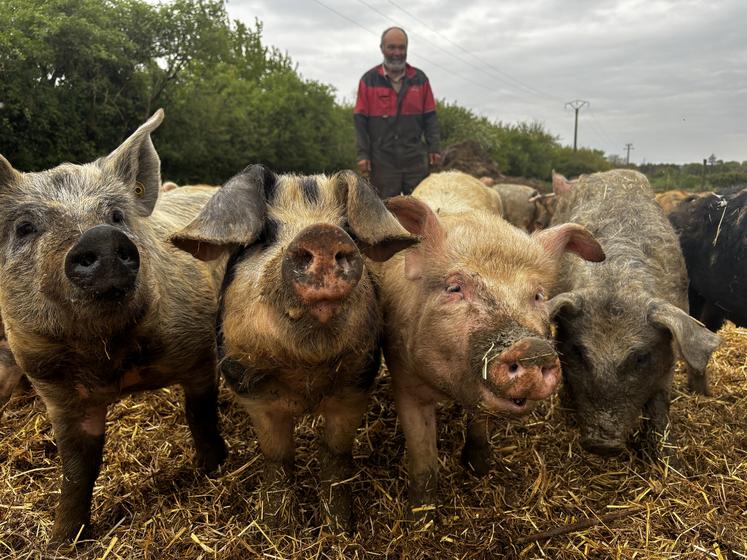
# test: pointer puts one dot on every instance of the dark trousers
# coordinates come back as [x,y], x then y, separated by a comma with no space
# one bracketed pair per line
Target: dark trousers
[391,182]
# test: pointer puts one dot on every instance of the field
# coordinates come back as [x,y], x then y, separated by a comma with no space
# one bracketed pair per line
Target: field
[545,498]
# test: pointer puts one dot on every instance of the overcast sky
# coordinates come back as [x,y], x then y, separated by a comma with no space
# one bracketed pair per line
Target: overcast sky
[668,76]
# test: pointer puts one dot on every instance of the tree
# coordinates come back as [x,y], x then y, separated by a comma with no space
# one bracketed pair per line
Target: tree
[79,75]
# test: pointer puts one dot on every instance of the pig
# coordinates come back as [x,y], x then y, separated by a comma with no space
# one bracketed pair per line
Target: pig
[466,320]
[97,304]
[525,207]
[713,236]
[670,200]
[299,324]
[459,191]
[169,186]
[619,322]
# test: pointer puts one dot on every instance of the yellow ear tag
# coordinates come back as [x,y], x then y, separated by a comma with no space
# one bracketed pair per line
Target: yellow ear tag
[139,189]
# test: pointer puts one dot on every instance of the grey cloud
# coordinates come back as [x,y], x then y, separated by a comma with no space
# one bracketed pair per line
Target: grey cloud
[669,76]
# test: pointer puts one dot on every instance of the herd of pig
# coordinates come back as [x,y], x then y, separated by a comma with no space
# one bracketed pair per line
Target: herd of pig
[292,287]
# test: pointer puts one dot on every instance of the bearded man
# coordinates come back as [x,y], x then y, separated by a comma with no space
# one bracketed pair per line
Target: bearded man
[395,120]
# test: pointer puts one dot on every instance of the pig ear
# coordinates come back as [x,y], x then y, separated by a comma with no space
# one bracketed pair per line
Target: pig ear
[570,237]
[235,215]
[568,303]
[8,175]
[135,162]
[379,233]
[560,185]
[417,218]
[695,342]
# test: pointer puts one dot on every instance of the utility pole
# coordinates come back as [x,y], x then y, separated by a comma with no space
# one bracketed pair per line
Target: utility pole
[628,147]
[703,178]
[576,104]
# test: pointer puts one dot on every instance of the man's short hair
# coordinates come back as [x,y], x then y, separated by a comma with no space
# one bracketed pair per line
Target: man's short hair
[388,29]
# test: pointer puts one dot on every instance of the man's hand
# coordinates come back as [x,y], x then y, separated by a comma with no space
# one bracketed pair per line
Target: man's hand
[364,166]
[434,158]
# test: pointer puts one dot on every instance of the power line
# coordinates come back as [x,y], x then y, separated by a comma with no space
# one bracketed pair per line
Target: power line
[505,75]
[419,56]
[420,37]
[343,16]
[595,123]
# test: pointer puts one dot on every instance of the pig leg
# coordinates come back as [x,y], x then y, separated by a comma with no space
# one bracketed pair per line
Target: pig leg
[418,421]
[12,379]
[273,424]
[657,438]
[476,450]
[201,407]
[79,432]
[697,381]
[342,416]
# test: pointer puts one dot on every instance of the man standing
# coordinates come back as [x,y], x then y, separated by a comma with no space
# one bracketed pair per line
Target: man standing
[395,120]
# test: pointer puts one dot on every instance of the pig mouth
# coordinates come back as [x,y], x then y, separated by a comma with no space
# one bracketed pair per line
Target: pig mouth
[495,400]
[324,310]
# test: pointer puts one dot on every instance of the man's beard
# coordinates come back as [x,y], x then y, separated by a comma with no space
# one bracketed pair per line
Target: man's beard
[394,63]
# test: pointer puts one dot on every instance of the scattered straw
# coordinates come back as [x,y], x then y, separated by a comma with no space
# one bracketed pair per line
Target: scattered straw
[544,498]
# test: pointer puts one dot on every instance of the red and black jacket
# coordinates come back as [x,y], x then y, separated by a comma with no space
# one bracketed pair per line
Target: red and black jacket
[396,131]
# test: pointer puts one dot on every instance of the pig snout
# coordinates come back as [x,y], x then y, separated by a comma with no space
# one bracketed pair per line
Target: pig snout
[323,265]
[602,435]
[104,262]
[529,369]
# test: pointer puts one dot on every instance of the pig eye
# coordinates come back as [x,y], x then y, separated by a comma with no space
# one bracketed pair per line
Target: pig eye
[117,216]
[539,296]
[453,289]
[642,360]
[24,229]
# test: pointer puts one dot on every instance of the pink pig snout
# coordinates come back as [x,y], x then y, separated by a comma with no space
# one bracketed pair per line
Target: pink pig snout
[529,369]
[323,265]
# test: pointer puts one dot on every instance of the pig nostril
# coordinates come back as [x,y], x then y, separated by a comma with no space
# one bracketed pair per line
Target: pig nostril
[304,258]
[549,370]
[343,260]
[124,256]
[87,259]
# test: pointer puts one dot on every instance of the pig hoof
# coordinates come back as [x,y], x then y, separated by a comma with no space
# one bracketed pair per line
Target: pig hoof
[278,508]
[476,459]
[339,512]
[341,520]
[699,385]
[64,533]
[209,460]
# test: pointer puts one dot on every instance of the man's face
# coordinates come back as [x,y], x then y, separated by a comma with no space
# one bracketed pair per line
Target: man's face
[394,49]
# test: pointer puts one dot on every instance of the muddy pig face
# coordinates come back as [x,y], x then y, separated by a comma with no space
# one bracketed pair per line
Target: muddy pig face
[297,247]
[482,334]
[71,249]
[617,356]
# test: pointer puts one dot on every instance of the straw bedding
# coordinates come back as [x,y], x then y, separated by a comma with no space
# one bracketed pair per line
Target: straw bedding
[545,498]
